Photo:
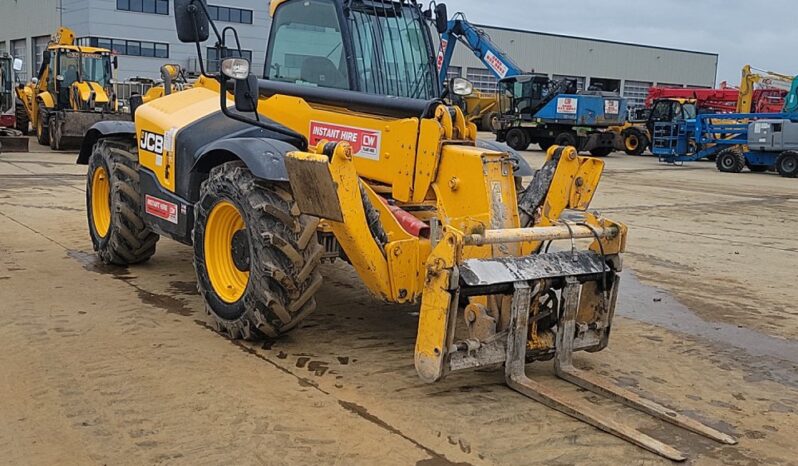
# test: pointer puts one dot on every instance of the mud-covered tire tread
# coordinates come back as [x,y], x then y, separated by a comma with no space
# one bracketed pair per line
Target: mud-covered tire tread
[284,274]
[129,240]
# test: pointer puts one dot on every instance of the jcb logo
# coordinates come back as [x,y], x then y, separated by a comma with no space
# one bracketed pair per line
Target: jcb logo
[151,142]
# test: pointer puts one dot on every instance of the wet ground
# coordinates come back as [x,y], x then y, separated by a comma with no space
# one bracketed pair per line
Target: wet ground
[106,365]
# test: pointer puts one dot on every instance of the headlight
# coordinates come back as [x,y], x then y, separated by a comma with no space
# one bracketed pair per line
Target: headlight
[462,87]
[236,68]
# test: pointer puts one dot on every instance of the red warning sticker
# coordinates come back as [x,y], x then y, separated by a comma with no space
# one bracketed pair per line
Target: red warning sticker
[365,142]
[160,208]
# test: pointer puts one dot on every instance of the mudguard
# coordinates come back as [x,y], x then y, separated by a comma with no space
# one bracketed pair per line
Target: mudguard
[263,156]
[522,166]
[100,130]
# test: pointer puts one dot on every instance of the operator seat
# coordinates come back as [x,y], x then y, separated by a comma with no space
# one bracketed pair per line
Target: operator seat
[322,71]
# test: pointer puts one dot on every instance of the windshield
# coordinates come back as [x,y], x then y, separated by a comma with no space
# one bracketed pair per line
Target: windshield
[93,67]
[392,53]
[390,46]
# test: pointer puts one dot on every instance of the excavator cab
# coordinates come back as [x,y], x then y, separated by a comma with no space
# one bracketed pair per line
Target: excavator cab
[523,94]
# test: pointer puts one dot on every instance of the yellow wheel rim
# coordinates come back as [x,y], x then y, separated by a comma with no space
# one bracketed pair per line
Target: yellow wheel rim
[100,201]
[632,142]
[226,279]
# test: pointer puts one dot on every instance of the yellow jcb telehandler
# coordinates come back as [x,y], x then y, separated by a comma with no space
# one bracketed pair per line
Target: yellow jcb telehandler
[71,92]
[346,149]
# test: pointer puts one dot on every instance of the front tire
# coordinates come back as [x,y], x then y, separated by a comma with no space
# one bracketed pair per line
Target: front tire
[730,160]
[43,128]
[634,141]
[113,204]
[55,136]
[255,256]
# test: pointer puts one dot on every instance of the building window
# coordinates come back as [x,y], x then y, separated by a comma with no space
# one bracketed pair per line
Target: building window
[454,72]
[636,92]
[39,45]
[160,7]
[483,80]
[18,50]
[230,14]
[135,48]
[669,85]
[213,58]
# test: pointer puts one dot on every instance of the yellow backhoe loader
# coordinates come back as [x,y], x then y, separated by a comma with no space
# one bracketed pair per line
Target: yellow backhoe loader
[71,92]
[345,149]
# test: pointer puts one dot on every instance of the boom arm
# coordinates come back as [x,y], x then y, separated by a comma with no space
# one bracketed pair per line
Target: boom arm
[459,29]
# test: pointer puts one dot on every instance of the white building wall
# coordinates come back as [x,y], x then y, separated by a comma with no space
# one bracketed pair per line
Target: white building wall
[544,53]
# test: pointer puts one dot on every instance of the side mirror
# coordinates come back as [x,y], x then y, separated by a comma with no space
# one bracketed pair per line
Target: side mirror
[245,93]
[17,64]
[115,62]
[191,22]
[461,86]
[441,18]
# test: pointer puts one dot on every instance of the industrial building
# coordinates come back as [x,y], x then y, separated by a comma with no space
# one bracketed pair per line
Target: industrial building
[142,32]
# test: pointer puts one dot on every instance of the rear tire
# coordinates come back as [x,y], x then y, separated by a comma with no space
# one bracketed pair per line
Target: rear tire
[22,122]
[566,139]
[123,237]
[545,143]
[601,151]
[634,141]
[43,128]
[787,164]
[730,160]
[254,288]
[517,139]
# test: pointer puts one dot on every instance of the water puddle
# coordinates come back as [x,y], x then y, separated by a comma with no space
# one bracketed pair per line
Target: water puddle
[654,306]
[760,356]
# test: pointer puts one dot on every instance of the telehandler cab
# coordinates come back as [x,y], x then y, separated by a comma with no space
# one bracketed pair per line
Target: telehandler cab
[344,149]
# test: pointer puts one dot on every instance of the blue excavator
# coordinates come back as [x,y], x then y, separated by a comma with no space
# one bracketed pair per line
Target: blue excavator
[534,109]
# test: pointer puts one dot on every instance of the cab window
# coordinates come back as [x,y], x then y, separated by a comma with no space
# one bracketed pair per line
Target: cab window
[306,46]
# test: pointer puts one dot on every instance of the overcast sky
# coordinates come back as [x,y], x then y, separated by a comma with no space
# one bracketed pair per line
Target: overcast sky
[740,32]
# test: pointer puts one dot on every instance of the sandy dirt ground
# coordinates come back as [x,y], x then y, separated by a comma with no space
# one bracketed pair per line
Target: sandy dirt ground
[105,365]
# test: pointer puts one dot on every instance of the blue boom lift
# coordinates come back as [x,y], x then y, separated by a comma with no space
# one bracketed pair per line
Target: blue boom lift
[534,109]
[758,141]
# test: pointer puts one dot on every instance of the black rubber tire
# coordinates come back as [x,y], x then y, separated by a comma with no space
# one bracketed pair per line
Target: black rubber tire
[22,122]
[43,128]
[639,138]
[55,138]
[730,160]
[128,240]
[284,262]
[517,139]
[601,151]
[787,164]
[757,168]
[545,143]
[566,139]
